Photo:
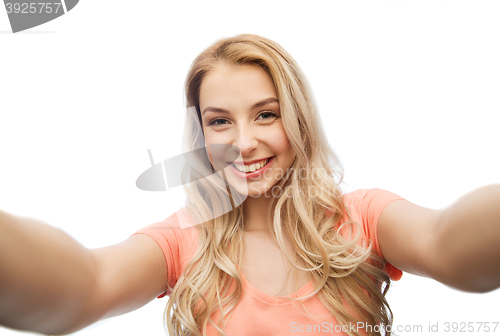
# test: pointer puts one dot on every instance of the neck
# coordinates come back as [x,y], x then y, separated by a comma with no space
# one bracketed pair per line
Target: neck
[255,213]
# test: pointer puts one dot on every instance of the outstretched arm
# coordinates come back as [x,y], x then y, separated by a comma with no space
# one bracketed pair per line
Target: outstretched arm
[51,284]
[458,245]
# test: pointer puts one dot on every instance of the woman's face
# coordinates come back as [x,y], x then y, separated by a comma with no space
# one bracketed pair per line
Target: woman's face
[239,106]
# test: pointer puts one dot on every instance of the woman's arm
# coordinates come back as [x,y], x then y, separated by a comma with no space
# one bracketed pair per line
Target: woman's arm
[51,284]
[45,275]
[458,245]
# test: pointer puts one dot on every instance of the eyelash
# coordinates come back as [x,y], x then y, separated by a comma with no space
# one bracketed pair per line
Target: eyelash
[266,112]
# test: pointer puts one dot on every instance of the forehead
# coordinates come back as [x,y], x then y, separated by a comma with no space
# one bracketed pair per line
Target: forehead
[236,85]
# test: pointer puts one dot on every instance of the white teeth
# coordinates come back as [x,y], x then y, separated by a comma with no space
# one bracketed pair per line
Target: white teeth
[252,167]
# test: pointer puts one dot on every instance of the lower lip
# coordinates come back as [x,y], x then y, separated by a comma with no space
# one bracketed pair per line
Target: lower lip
[254,174]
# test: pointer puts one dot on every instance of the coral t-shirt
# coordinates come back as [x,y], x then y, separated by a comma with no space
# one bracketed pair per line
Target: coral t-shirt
[258,313]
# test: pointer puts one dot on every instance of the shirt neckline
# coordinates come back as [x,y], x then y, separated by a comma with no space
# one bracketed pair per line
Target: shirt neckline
[304,290]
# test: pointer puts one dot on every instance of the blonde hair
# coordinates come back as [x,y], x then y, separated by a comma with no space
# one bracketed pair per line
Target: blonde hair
[348,279]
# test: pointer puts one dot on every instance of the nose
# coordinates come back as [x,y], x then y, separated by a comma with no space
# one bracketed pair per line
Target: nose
[246,141]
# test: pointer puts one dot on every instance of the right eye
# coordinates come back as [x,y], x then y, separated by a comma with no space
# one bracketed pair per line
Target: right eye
[216,122]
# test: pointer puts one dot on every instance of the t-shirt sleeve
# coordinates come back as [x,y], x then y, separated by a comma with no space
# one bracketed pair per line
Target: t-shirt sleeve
[176,243]
[370,203]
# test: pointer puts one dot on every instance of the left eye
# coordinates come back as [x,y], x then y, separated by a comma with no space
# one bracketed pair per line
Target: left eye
[268,114]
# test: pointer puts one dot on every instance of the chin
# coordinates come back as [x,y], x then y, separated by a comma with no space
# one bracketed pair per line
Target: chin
[260,189]
[250,190]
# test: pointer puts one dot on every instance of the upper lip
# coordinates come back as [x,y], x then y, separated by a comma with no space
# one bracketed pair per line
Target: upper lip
[246,163]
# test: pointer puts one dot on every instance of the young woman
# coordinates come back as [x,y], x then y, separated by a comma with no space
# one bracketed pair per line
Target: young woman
[269,244]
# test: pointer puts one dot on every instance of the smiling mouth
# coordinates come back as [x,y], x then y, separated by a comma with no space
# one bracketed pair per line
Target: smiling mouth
[253,167]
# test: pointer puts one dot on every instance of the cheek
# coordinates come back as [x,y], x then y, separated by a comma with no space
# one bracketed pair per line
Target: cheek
[280,143]
[209,140]
[207,149]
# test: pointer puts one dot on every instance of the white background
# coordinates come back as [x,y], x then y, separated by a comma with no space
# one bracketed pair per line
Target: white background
[407,91]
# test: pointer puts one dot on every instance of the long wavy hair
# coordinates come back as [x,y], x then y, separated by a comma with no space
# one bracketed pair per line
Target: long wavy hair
[310,212]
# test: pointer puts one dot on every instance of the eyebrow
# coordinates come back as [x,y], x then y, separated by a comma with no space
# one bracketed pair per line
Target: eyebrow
[254,106]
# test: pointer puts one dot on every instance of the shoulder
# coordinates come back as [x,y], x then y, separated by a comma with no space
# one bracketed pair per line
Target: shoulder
[177,230]
[365,206]
[178,239]
[367,197]
[368,204]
